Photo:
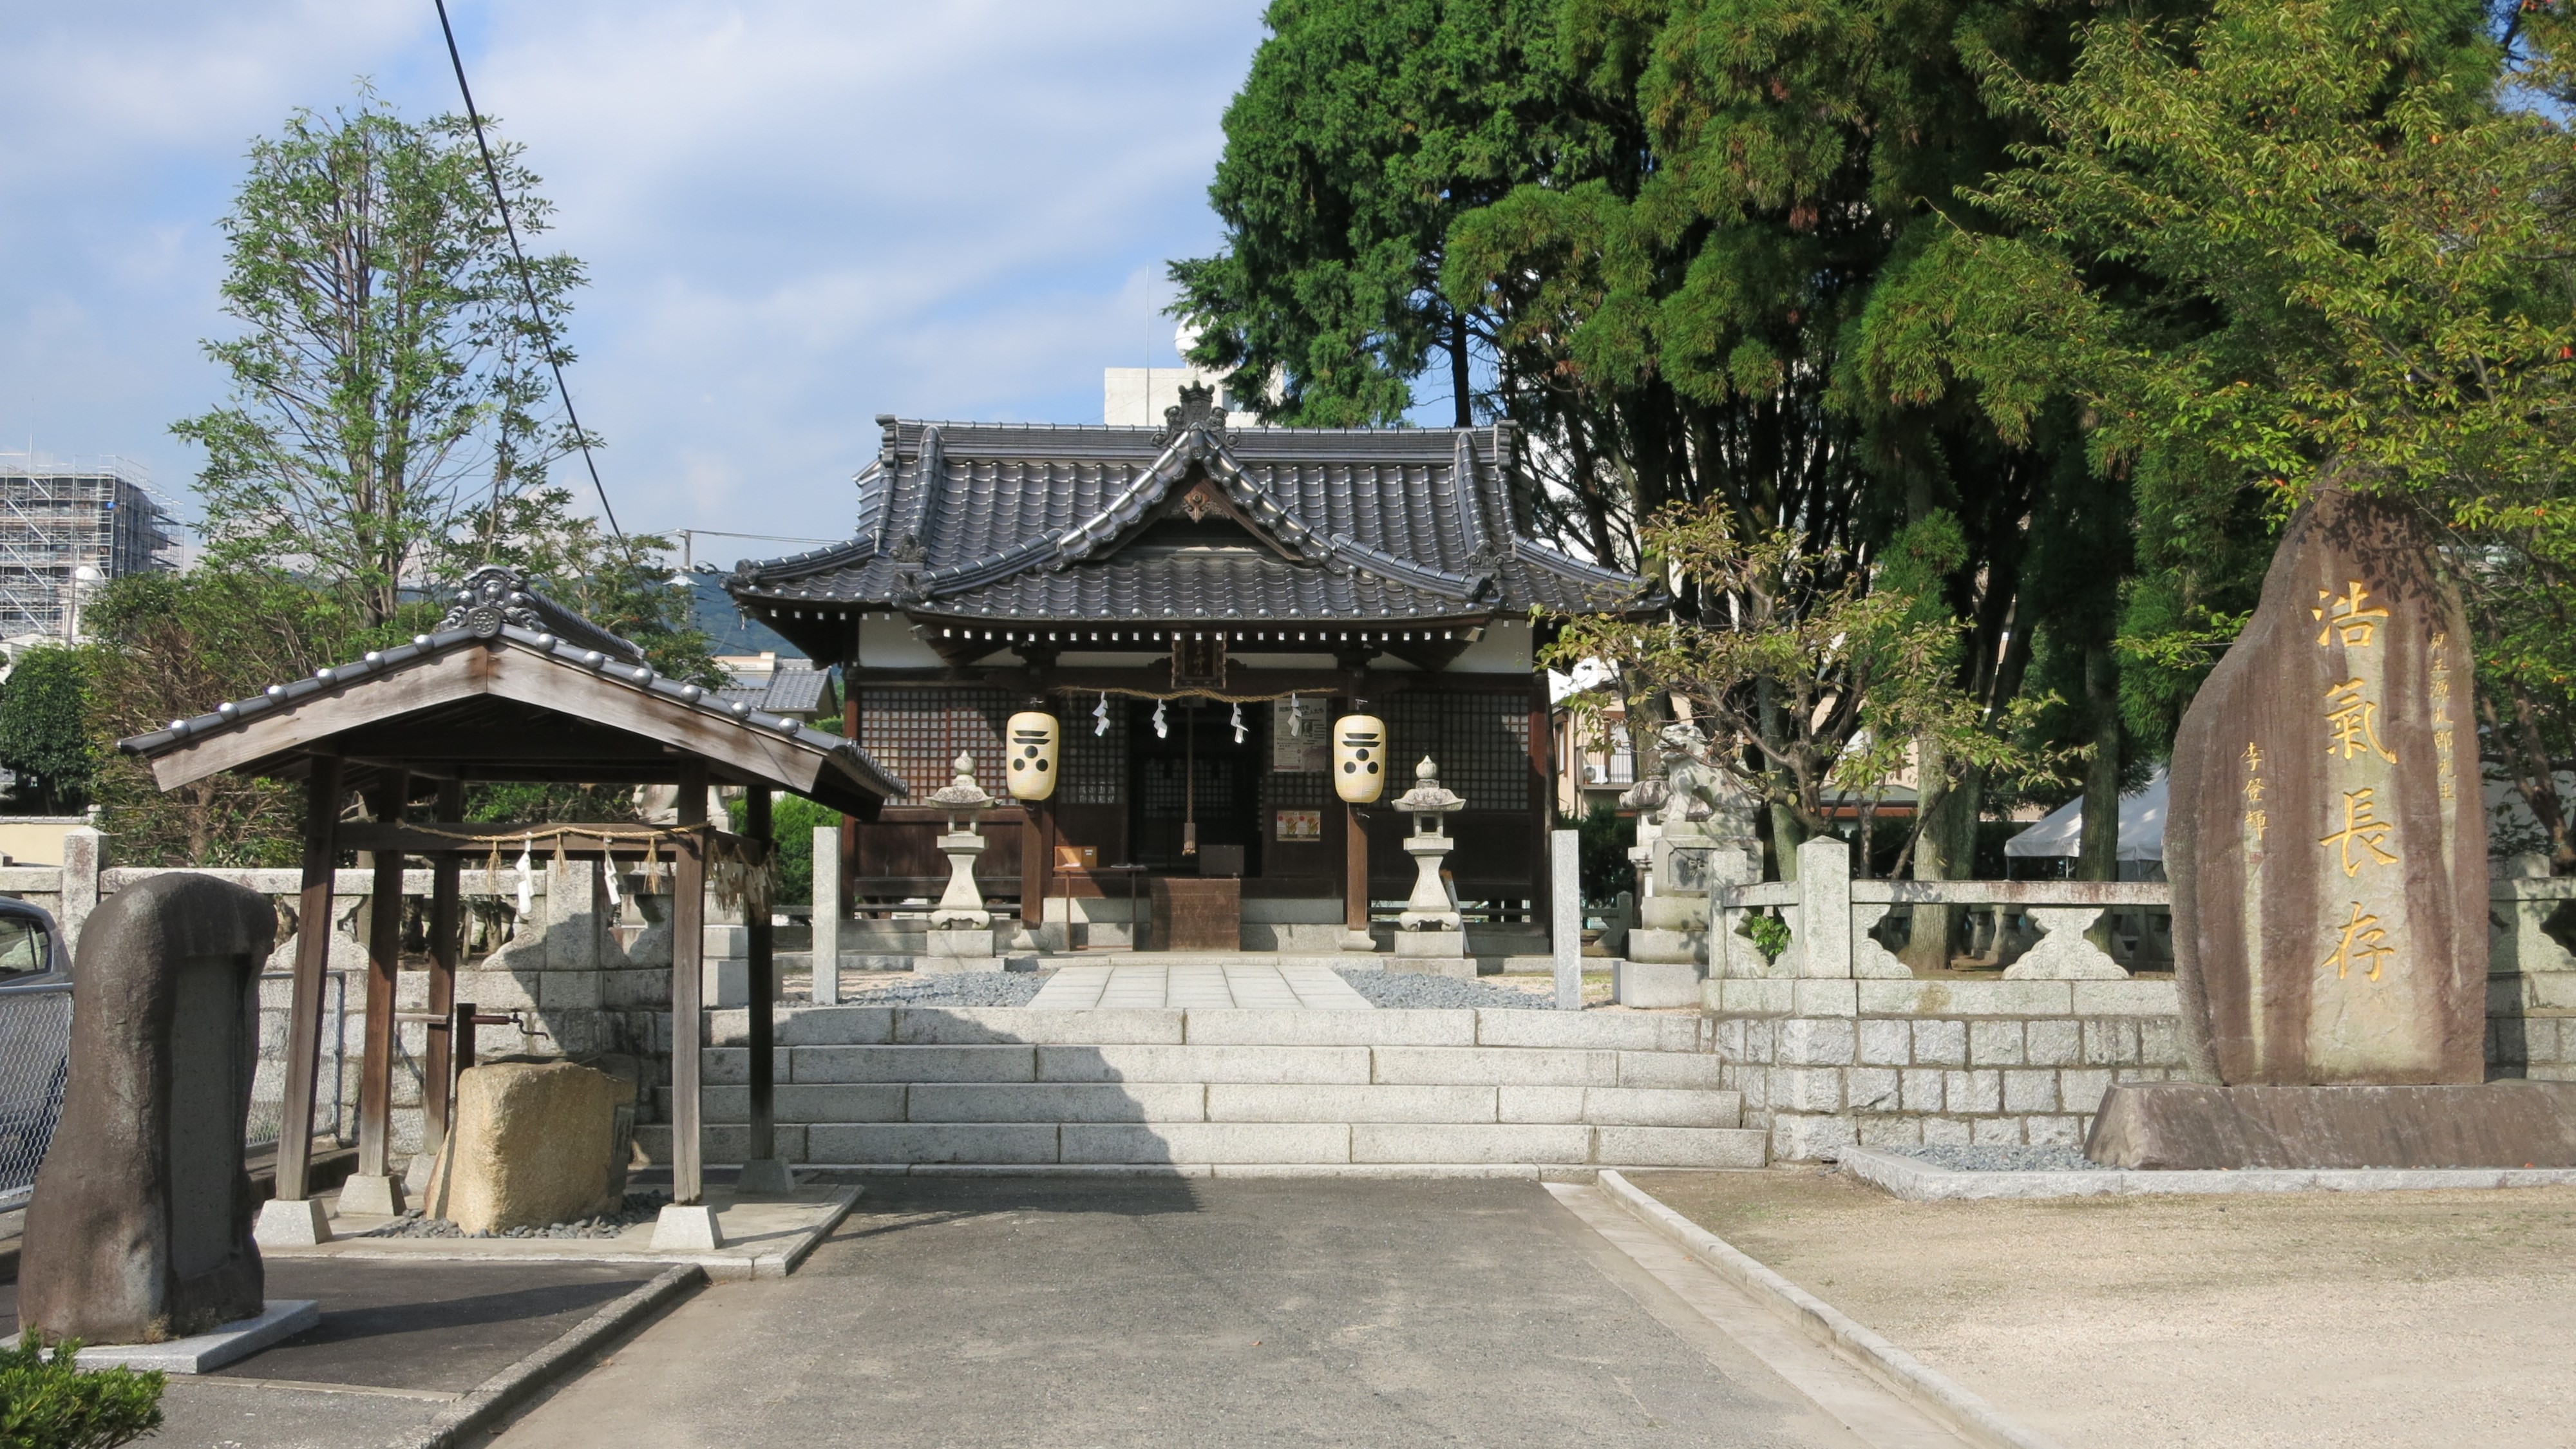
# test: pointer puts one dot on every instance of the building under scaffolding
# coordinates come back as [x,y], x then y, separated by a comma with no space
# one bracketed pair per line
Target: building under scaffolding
[66,527]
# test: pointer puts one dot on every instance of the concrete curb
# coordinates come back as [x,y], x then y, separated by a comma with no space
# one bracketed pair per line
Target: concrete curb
[481,1406]
[1918,1181]
[1928,1388]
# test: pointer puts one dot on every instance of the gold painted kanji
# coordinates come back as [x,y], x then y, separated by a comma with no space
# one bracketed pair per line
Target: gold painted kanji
[2363,827]
[2348,614]
[2352,722]
[2364,942]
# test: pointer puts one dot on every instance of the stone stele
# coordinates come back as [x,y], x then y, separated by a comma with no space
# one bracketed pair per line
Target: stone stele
[140,1229]
[2326,842]
[535,1144]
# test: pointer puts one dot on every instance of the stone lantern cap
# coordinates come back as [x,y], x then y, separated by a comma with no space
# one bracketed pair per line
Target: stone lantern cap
[1428,796]
[962,793]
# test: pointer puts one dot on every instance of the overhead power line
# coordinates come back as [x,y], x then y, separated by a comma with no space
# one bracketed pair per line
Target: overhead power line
[501,201]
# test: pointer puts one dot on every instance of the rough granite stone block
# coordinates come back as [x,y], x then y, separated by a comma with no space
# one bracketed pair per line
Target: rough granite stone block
[2110,1040]
[1891,1131]
[1807,1041]
[1945,1132]
[1824,998]
[2054,1131]
[731,1066]
[1870,1089]
[2052,1043]
[1796,1138]
[1973,1091]
[1808,1089]
[1995,1043]
[2032,1090]
[2160,1042]
[1205,1063]
[1941,1043]
[1886,1042]
[1994,1130]
[2081,1089]
[1919,1089]
[2125,998]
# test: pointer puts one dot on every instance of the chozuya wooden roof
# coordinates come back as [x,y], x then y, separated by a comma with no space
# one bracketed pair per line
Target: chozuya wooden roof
[513,686]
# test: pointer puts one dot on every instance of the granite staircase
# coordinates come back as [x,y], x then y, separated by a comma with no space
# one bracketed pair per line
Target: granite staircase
[1230,1092]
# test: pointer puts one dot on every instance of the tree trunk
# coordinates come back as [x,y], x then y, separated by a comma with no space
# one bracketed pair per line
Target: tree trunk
[2098,855]
[1458,380]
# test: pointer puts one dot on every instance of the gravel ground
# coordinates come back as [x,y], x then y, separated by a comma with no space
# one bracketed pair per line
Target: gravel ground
[2003,1159]
[963,988]
[641,1207]
[1410,988]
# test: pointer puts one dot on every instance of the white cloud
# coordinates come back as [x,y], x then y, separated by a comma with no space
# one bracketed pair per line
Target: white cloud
[795,215]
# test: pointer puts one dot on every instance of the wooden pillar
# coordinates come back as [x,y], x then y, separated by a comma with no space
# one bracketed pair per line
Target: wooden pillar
[312,958]
[446,946]
[849,824]
[1542,788]
[1037,861]
[1355,846]
[759,938]
[384,967]
[688,942]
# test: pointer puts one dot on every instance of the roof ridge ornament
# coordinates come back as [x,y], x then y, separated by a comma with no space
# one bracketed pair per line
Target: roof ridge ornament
[490,597]
[1197,410]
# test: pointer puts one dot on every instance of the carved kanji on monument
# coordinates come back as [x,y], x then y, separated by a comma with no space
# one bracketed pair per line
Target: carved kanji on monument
[2326,842]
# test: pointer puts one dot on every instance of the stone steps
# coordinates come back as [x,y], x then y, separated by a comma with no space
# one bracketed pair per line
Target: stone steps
[915,1087]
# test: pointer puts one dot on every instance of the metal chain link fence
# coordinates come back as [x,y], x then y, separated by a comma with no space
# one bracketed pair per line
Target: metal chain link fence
[35,1040]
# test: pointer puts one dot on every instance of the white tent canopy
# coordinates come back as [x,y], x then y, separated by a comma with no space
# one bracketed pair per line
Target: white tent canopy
[2061,832]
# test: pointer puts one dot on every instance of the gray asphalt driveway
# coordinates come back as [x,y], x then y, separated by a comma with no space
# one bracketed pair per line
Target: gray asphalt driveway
[1133,1312]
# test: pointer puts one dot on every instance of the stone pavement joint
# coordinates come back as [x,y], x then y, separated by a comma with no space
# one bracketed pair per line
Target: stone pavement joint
[1248,984]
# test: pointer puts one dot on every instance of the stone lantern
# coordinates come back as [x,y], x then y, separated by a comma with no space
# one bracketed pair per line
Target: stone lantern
[961,930]
[1430,925]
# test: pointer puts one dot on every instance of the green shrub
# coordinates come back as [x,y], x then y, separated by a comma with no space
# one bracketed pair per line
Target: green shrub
[46,1404]
[1769,935]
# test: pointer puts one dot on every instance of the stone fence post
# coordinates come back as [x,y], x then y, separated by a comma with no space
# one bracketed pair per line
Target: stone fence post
[82,847]
[827,915]
[1824,938]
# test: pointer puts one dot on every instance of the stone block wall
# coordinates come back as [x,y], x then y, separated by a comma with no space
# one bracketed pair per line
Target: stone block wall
[1909,1062]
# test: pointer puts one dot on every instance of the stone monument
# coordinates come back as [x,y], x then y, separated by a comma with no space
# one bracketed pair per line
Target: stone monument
[961,929]
[1695,830]
[2327,847]
[1429,927]
[140,1229]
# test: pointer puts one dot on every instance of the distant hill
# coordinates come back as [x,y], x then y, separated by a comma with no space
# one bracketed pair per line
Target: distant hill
[727,629]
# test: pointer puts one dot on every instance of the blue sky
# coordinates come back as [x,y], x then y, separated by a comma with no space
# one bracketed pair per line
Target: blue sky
[795,215]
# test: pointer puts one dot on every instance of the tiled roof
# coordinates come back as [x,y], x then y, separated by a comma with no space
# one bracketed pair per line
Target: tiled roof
[786,691]
[1034,522]
[495,609]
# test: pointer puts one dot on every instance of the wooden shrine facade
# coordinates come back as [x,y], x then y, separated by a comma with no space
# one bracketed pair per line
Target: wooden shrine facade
[1195,605]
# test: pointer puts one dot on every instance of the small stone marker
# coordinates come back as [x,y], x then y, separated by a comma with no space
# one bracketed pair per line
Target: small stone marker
[140,1229]
[1565,915]
[2326,839]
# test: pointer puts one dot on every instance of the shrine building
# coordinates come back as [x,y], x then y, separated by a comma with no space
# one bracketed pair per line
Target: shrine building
[1194,606]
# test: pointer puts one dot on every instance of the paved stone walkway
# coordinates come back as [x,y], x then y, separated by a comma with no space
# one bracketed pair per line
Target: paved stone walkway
[1045,1312]
[1289,987]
